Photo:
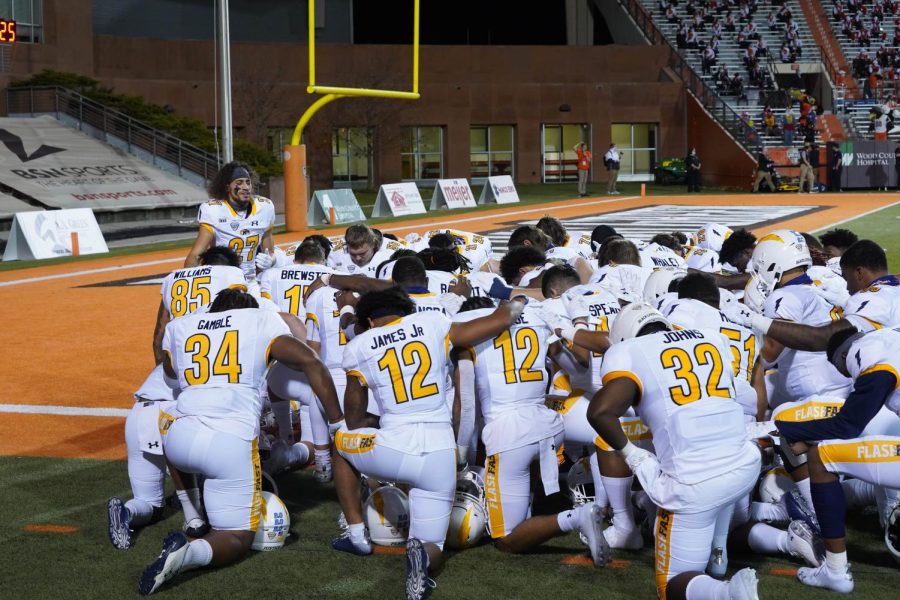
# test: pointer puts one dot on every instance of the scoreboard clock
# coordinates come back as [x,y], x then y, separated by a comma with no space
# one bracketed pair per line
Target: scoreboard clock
[7,31]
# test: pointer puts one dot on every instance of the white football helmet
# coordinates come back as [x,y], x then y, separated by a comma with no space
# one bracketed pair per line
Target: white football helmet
[755,293]
[660,281]
[777,252]
[711,236]
[775,484]
[387,516]
[632,319]
[468,517]
[580,483]
[274,524]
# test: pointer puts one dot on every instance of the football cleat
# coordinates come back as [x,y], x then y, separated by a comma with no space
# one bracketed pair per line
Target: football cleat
[624,541]
[345,543]
[591,525]
[418,584]
[120,533]
[196,528]
[718,563]
[892,532]
[798,510]
[743,585]
[167,566]
[824,577]
[803,543]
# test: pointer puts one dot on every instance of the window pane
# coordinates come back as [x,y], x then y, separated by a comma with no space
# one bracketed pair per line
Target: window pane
[621,136]
[501,163]
[627,163]
[336,137]
[38,7]
[552,142]
[6,9]
[643,161]
[359,141]
[24,33]
[339,168]
[501,138]
[38,34]
[478,139]
[429,139]
[22,10]
[430,166]
[573,134]
[407,166]
[479,164]
[408,140]
[359,166]
[641,132]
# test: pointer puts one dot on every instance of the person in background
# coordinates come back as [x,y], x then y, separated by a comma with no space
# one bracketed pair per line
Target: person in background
[584,167]
[692,170]
[835,165]
[805,168]
[764,169]
[787,127]
[612,161]
[897,164]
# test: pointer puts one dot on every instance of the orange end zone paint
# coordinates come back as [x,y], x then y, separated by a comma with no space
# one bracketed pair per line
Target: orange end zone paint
[580,560]
[783,572]
[48,528]
[388,549]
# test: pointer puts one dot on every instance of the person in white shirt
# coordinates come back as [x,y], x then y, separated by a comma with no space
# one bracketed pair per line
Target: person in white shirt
[612,160]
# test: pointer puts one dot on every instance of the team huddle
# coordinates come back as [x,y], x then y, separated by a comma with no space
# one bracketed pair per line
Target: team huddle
[697,393]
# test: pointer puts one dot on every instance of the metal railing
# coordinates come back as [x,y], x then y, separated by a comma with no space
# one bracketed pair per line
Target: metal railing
[134,134]
[747,137]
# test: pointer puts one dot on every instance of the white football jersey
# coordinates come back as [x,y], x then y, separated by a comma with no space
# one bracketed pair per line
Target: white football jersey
[511,381]
[745,345]
[603,308]
[242,232]
[184,291]
[801,374]
[221,359]
[341,262]
[581,243]
[876,306]
[702,259]
[686,399]
[477,248]
[439,281]
[616,278]
[286,286]
[323,320]
[404,365]
[562,253]
[481,282]
[877,351]
[655,256]
[426,301]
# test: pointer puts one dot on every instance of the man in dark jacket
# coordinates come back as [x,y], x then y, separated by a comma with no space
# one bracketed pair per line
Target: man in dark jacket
[764,169]
[835,166]
[692,171]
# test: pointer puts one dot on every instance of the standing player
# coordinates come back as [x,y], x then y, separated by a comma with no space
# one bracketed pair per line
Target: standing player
[218,360]
[683,386]
[401,357]
[234,217]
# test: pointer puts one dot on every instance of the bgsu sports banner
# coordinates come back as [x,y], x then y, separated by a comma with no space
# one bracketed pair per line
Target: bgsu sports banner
[61,167]
[868,164]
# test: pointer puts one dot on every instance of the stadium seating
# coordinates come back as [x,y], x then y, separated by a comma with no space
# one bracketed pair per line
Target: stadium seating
[751,100]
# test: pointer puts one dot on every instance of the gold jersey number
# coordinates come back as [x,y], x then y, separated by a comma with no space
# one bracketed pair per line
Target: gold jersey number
[525,338]
[413,353]
[188,296]
[685,366]
[225,363]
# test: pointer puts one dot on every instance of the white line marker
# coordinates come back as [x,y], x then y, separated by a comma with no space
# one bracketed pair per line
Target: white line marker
[148,263]
[70,411]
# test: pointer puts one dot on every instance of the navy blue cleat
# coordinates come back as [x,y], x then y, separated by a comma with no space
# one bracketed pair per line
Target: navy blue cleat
[167,566]
[120,533]
[345,544]
[799,510]
[418,584]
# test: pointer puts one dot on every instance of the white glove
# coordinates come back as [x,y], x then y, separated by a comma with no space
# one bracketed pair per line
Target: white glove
[264,260]
[742,315]
[333,427]
[576,306]
[643,464]
[834,291]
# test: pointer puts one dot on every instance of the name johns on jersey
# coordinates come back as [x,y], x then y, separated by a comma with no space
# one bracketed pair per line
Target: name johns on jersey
[684,334]
[395,337]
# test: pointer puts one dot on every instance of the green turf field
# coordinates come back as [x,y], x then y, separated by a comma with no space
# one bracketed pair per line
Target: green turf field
[83,564]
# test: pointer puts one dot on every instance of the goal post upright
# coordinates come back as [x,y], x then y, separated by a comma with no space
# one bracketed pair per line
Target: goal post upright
[296,181]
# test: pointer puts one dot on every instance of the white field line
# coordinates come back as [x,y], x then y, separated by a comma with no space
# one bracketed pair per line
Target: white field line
[70,411]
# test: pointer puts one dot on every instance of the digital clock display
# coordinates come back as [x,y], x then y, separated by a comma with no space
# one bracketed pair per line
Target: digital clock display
[7,31]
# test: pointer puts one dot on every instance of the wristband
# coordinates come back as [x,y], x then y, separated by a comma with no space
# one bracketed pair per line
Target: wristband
[346,310]
[628,450]
[761,323]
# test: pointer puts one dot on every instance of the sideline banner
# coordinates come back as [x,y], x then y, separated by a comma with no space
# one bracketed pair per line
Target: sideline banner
[452,193]
[63,168]
[343,201]
[53,233]
[868,164]
[398,199]
[499,189]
